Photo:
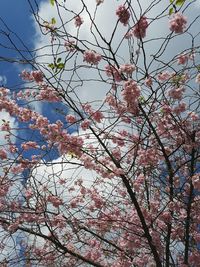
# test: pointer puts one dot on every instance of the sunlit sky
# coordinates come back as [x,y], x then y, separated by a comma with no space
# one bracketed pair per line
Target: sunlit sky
[16,23]
[17,17]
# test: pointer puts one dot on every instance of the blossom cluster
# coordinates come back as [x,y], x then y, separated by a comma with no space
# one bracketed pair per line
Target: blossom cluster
[113,71]
[177,22]
[91,57]
[70,45]
[123,14]
[48,93]
[176,92]
[36,76]
[139,30]
[127,68]
[131,92]
[78,21]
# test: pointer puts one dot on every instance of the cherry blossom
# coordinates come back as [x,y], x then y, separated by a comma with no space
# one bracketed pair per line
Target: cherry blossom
[112,71]
[139,30]
[127,68]
[91,57]
[197,80]
[183,59]
[123,14]
[3,154]
[71,118]
[177,22]
[78,21]
[110,175]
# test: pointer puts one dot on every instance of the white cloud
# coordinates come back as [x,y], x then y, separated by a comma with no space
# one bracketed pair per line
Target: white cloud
[105,21]
[49,174]
[5,117]
[3,80]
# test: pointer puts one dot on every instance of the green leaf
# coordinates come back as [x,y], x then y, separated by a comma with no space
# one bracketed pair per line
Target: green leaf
[60,66]
[59,60]
[53,21]
[52,2]
[180,2]
[142,99]
[51,65]
[171,1]
[171,11]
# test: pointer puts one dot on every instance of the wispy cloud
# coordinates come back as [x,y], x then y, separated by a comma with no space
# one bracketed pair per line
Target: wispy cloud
[3,80]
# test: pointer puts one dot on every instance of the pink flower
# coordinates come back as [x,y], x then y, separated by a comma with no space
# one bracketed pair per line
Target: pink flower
[70,46]
[197,80]
[194,116]
[139,30]
[182,59]
[164,76]
[176,93]
[97,116]
[28,194]
[85,125]
[70,118]
[78,21]
[177,23]
[148,82]
[112,71]
[49,94]
[3,154]
[4,91]
[5,126]
[123,14]
[131,91]
[56,201]
[17,169]
[29,145]
[91,57]
[180,108]
[130,94]
[36,76]
[26,76]
[127,68]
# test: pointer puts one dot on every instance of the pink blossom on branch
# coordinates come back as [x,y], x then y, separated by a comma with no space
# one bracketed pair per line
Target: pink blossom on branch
[3,154]
[123,182]
[127,68]
[91,57]
[182,59]
[197,80]
[177,23]
[148,81]
[123,14]
[139,30]
[176,93]
[70,45]
[71,118]
[130,93]
[29,145]
[78,21]
[85,124]
[47,93]
[113,71]
[36,76]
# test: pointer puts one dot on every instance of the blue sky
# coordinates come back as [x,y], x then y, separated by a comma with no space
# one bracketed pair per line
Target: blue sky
[16,21]
[17,17]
